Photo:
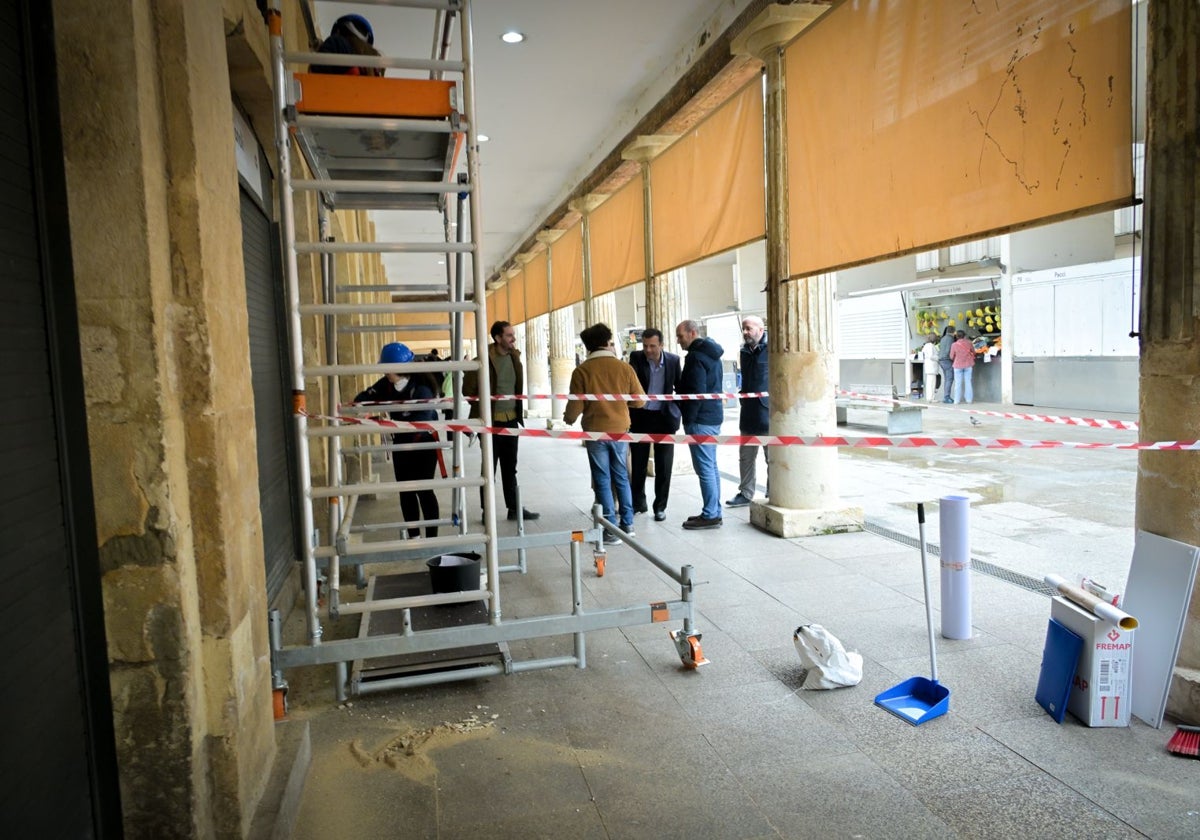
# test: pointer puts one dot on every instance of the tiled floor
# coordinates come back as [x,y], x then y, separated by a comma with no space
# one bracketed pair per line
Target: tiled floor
[635,746]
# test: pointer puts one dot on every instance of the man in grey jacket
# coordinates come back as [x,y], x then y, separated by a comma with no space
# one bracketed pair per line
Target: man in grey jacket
[755,412]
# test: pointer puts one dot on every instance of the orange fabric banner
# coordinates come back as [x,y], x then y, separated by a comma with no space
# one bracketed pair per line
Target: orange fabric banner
[516,297]
[617,232]
[707,190]
[537,296]
[951,122]
[566,268]
[497,307]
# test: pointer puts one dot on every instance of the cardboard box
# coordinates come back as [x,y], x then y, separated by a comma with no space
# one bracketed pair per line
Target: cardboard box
[1100,691]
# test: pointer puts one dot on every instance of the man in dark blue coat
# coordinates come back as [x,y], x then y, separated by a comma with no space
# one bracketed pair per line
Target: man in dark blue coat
[755,412]
[702,375]
[659,373]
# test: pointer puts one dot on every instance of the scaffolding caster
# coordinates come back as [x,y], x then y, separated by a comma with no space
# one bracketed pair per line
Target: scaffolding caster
[598,559]
[279,704]
[687,645]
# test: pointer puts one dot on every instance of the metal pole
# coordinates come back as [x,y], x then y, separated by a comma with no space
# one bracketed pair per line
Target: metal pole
[287,218]
[481,330]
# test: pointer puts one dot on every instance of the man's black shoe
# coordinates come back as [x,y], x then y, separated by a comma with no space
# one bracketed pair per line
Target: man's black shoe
[530,515]
[660,516]
[611,539]
[639,508]
[738,501]
[700,522]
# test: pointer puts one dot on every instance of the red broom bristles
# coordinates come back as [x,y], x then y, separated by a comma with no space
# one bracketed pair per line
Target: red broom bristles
[1185,741]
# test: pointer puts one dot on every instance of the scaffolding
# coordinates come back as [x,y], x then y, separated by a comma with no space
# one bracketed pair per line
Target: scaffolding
[378,143]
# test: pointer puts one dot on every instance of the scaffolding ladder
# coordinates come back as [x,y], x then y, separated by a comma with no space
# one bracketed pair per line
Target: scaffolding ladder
[379,143]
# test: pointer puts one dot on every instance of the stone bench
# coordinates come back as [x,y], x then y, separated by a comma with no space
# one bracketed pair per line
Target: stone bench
[899,419]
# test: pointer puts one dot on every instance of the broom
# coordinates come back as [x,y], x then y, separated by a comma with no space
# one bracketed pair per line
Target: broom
[1185,741]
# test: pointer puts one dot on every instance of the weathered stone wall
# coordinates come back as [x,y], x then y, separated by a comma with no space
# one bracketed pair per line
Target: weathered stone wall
[156,239]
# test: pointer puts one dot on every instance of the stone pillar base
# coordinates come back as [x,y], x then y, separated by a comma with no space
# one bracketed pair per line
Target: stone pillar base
[1183,702]
[795,522]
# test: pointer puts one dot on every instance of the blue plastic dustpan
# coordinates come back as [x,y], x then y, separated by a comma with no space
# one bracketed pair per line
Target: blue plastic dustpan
[916,700]
[919,699]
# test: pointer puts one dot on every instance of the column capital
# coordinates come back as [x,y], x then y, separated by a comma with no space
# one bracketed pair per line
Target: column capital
[549,236]
[525,257]
[587,203]
[647,147]
[511,272]
[774,27]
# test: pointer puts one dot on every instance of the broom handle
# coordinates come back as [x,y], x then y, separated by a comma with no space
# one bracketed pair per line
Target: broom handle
[925,584]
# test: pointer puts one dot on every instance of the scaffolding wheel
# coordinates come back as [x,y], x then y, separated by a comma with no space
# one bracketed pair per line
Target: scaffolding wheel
[598,560]
[279,701]
[687,645]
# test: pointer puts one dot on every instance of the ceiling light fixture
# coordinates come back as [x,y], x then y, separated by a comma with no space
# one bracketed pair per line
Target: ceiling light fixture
[482,138]
[512,36]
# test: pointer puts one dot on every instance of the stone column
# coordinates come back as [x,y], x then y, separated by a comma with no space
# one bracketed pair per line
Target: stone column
[561,334]
[157,252]
[804,481]
[666,294]
[537,370]
[666,304]
[604,310]
[1168,484]
[584,207]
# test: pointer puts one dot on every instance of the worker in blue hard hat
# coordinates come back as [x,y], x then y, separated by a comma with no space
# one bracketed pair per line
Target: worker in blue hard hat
[350,35]
[414,464]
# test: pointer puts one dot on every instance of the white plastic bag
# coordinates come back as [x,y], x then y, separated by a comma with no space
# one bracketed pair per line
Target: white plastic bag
[826,663]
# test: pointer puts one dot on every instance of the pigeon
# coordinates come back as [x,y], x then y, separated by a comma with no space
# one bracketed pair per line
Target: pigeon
[974,421]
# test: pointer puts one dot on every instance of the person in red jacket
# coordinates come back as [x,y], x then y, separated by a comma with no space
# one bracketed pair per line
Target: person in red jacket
[962,356]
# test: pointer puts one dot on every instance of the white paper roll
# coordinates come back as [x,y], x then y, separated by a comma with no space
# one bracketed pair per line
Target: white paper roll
[1090,602]
[955,538]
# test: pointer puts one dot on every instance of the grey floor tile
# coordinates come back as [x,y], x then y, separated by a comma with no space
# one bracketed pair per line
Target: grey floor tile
[1025,806]
[842,796]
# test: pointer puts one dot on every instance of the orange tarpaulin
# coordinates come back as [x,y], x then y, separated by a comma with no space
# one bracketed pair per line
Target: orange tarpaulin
[952,121]
[537,295]
[566,268]
[497,307]
[516,297]
[707,190]
[617,233]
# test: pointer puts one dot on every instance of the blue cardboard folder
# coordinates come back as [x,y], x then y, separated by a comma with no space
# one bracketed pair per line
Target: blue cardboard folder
[1059,658]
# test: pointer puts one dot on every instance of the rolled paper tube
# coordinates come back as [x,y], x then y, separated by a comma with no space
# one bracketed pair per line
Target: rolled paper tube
[1090,602]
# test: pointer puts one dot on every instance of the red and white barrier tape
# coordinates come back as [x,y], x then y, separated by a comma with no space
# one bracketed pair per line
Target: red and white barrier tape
[1090,422]
[866,442]
[585,398]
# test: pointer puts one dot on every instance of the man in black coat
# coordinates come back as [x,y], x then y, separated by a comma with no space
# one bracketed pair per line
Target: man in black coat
[658,371]
[755,412]
[702,375]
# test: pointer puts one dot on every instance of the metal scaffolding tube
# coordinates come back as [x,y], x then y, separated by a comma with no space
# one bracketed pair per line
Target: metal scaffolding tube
[384,308]
[385,248]
[390,187]
[292,294]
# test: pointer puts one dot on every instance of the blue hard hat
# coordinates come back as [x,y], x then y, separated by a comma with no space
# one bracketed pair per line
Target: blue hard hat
[358,26]
[395,353]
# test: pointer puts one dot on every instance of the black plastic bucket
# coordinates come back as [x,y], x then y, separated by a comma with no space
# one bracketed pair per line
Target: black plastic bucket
[454,572]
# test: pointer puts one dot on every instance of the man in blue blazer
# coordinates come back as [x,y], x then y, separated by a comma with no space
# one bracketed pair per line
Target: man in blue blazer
[658,371]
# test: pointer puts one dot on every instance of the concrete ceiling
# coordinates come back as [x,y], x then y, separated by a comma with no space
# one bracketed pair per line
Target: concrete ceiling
[553,106]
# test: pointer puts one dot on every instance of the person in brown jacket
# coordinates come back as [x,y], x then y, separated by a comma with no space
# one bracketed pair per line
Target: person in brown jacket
[603,372]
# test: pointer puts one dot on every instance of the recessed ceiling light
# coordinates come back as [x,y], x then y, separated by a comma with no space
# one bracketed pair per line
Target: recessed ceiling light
[512,36]
[482,138]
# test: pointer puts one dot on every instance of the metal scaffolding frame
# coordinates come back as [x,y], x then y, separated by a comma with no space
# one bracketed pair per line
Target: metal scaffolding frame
[346,176]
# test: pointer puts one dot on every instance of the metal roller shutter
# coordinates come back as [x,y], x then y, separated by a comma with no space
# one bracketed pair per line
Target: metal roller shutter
[272,400]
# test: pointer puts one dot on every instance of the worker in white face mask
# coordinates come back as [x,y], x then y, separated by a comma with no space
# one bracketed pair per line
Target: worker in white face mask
[411,465]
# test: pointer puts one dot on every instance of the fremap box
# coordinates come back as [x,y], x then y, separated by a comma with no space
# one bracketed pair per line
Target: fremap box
[1101,687]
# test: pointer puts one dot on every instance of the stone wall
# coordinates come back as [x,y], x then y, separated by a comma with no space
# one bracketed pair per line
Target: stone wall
[156,241]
